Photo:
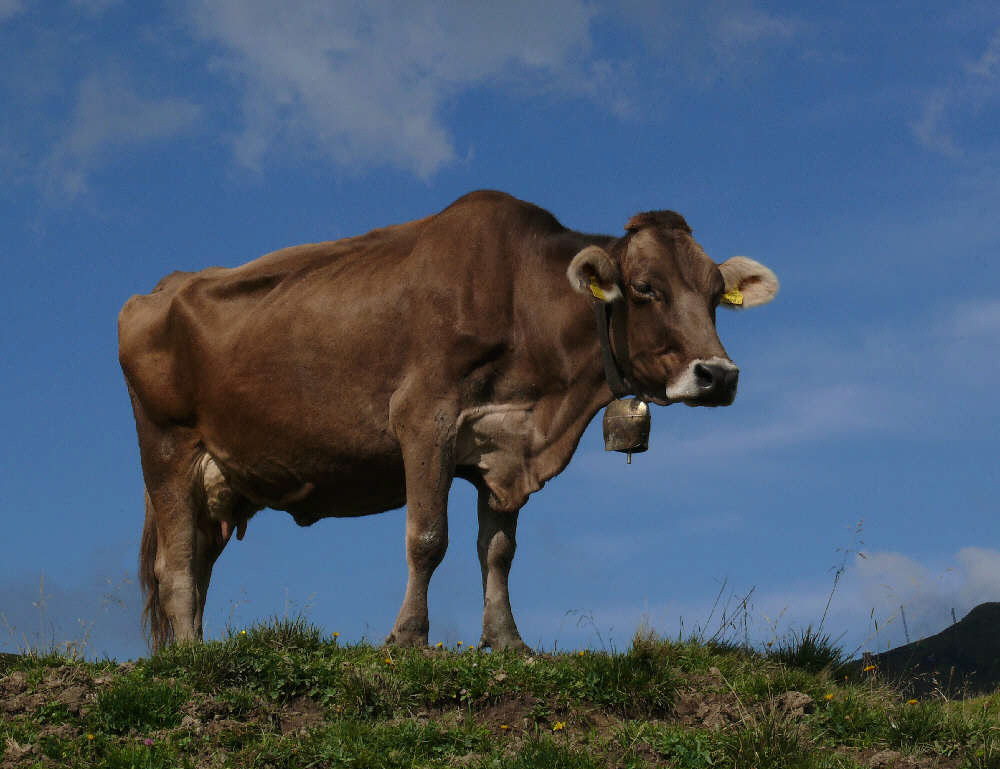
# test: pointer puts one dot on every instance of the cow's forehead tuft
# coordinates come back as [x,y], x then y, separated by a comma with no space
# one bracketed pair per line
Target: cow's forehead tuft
[669,220]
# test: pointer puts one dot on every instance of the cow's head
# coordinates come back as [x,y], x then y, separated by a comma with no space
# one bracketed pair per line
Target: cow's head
[671,289]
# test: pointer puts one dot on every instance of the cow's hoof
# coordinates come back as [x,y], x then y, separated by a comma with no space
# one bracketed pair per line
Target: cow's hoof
[514,644]
[402,638]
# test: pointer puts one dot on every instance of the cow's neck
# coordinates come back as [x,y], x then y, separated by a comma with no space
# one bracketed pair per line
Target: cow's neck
[563,415]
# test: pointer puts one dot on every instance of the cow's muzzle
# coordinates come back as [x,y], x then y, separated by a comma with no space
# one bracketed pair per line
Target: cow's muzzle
[716,382]
[707,382]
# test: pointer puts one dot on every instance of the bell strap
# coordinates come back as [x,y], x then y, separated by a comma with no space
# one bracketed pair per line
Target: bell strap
[610,317]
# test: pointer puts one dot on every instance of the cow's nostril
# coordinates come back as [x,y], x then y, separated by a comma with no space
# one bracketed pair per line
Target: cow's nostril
[703,376]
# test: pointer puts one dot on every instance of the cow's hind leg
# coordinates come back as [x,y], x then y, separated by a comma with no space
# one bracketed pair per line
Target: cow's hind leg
[181,540]
[496,545]
[176,585]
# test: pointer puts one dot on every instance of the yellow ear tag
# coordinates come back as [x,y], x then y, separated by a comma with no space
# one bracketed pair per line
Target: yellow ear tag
[596,290]
[733,296]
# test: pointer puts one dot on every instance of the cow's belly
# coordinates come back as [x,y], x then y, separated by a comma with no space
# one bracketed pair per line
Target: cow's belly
[313,468]
[342,489]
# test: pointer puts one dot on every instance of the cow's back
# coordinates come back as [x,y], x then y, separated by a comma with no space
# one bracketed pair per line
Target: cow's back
[196,321]
[298,354]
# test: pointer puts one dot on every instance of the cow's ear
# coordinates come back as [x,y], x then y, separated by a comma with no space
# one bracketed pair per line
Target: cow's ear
[594,273]
[748,283]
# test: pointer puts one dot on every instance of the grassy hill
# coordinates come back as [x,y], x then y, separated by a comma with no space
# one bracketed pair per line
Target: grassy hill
[285,695]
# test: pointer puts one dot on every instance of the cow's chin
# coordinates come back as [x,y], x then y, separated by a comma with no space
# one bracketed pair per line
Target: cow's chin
[709,403]
[686,401]
[711,400]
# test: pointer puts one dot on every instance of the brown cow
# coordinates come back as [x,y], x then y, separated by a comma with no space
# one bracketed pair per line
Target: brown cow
[355,376]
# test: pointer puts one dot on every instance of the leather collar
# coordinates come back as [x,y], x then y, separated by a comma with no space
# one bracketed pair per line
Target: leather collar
[611,320]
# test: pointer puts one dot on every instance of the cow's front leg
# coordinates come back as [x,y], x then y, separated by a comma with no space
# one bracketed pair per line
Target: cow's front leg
[429,471]
[496,545]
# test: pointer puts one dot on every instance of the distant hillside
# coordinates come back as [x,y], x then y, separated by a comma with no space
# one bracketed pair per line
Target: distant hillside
[961,659]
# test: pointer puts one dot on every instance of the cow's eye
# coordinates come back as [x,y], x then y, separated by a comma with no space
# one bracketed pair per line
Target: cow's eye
[643,292]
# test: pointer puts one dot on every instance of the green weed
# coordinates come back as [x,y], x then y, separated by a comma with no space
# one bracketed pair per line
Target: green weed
[543,753]
[808,650]
[136,703]
[764,742]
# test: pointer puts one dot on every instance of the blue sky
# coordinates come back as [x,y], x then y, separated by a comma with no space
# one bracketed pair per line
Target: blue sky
[852,147]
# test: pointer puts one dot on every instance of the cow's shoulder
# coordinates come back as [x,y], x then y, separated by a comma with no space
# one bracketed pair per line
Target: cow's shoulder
[495,209]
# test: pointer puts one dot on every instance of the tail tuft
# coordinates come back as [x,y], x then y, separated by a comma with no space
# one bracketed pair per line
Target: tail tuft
[154,620]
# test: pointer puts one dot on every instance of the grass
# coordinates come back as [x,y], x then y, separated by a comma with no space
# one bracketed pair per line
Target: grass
[283,694]
[135,703]
[809,650]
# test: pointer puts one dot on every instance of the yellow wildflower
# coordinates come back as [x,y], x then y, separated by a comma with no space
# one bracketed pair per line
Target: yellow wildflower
[459,643]
[911,702]
[389,661]
[336,634]
[440,644]
[558,726]
[243,632]
[868,668]
[90,737]
[581,652]
[504,726]
[827,697]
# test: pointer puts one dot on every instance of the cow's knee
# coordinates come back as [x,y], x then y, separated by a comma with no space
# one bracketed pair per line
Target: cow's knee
[498,551]
[425,548]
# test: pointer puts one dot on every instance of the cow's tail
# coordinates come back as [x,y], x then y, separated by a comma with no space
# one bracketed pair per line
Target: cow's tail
[154,620]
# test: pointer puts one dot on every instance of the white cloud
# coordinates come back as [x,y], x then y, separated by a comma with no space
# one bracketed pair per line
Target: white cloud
[709,41]
[108,116]
[981,567]
[95,7]
[10,8]
[369,84]
[930,128]
[751,26]
[950,112]
[988,65]
[975,319]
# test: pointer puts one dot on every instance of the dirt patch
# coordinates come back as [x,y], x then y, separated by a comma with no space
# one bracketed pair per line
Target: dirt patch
[511,711]
[893,759]
[227,725]
[300,715]
[205,708]
[14,684]
[707,708]
[61,731]
[14,753]
[23,703]
[73,697]
[791,705]
[67,685]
